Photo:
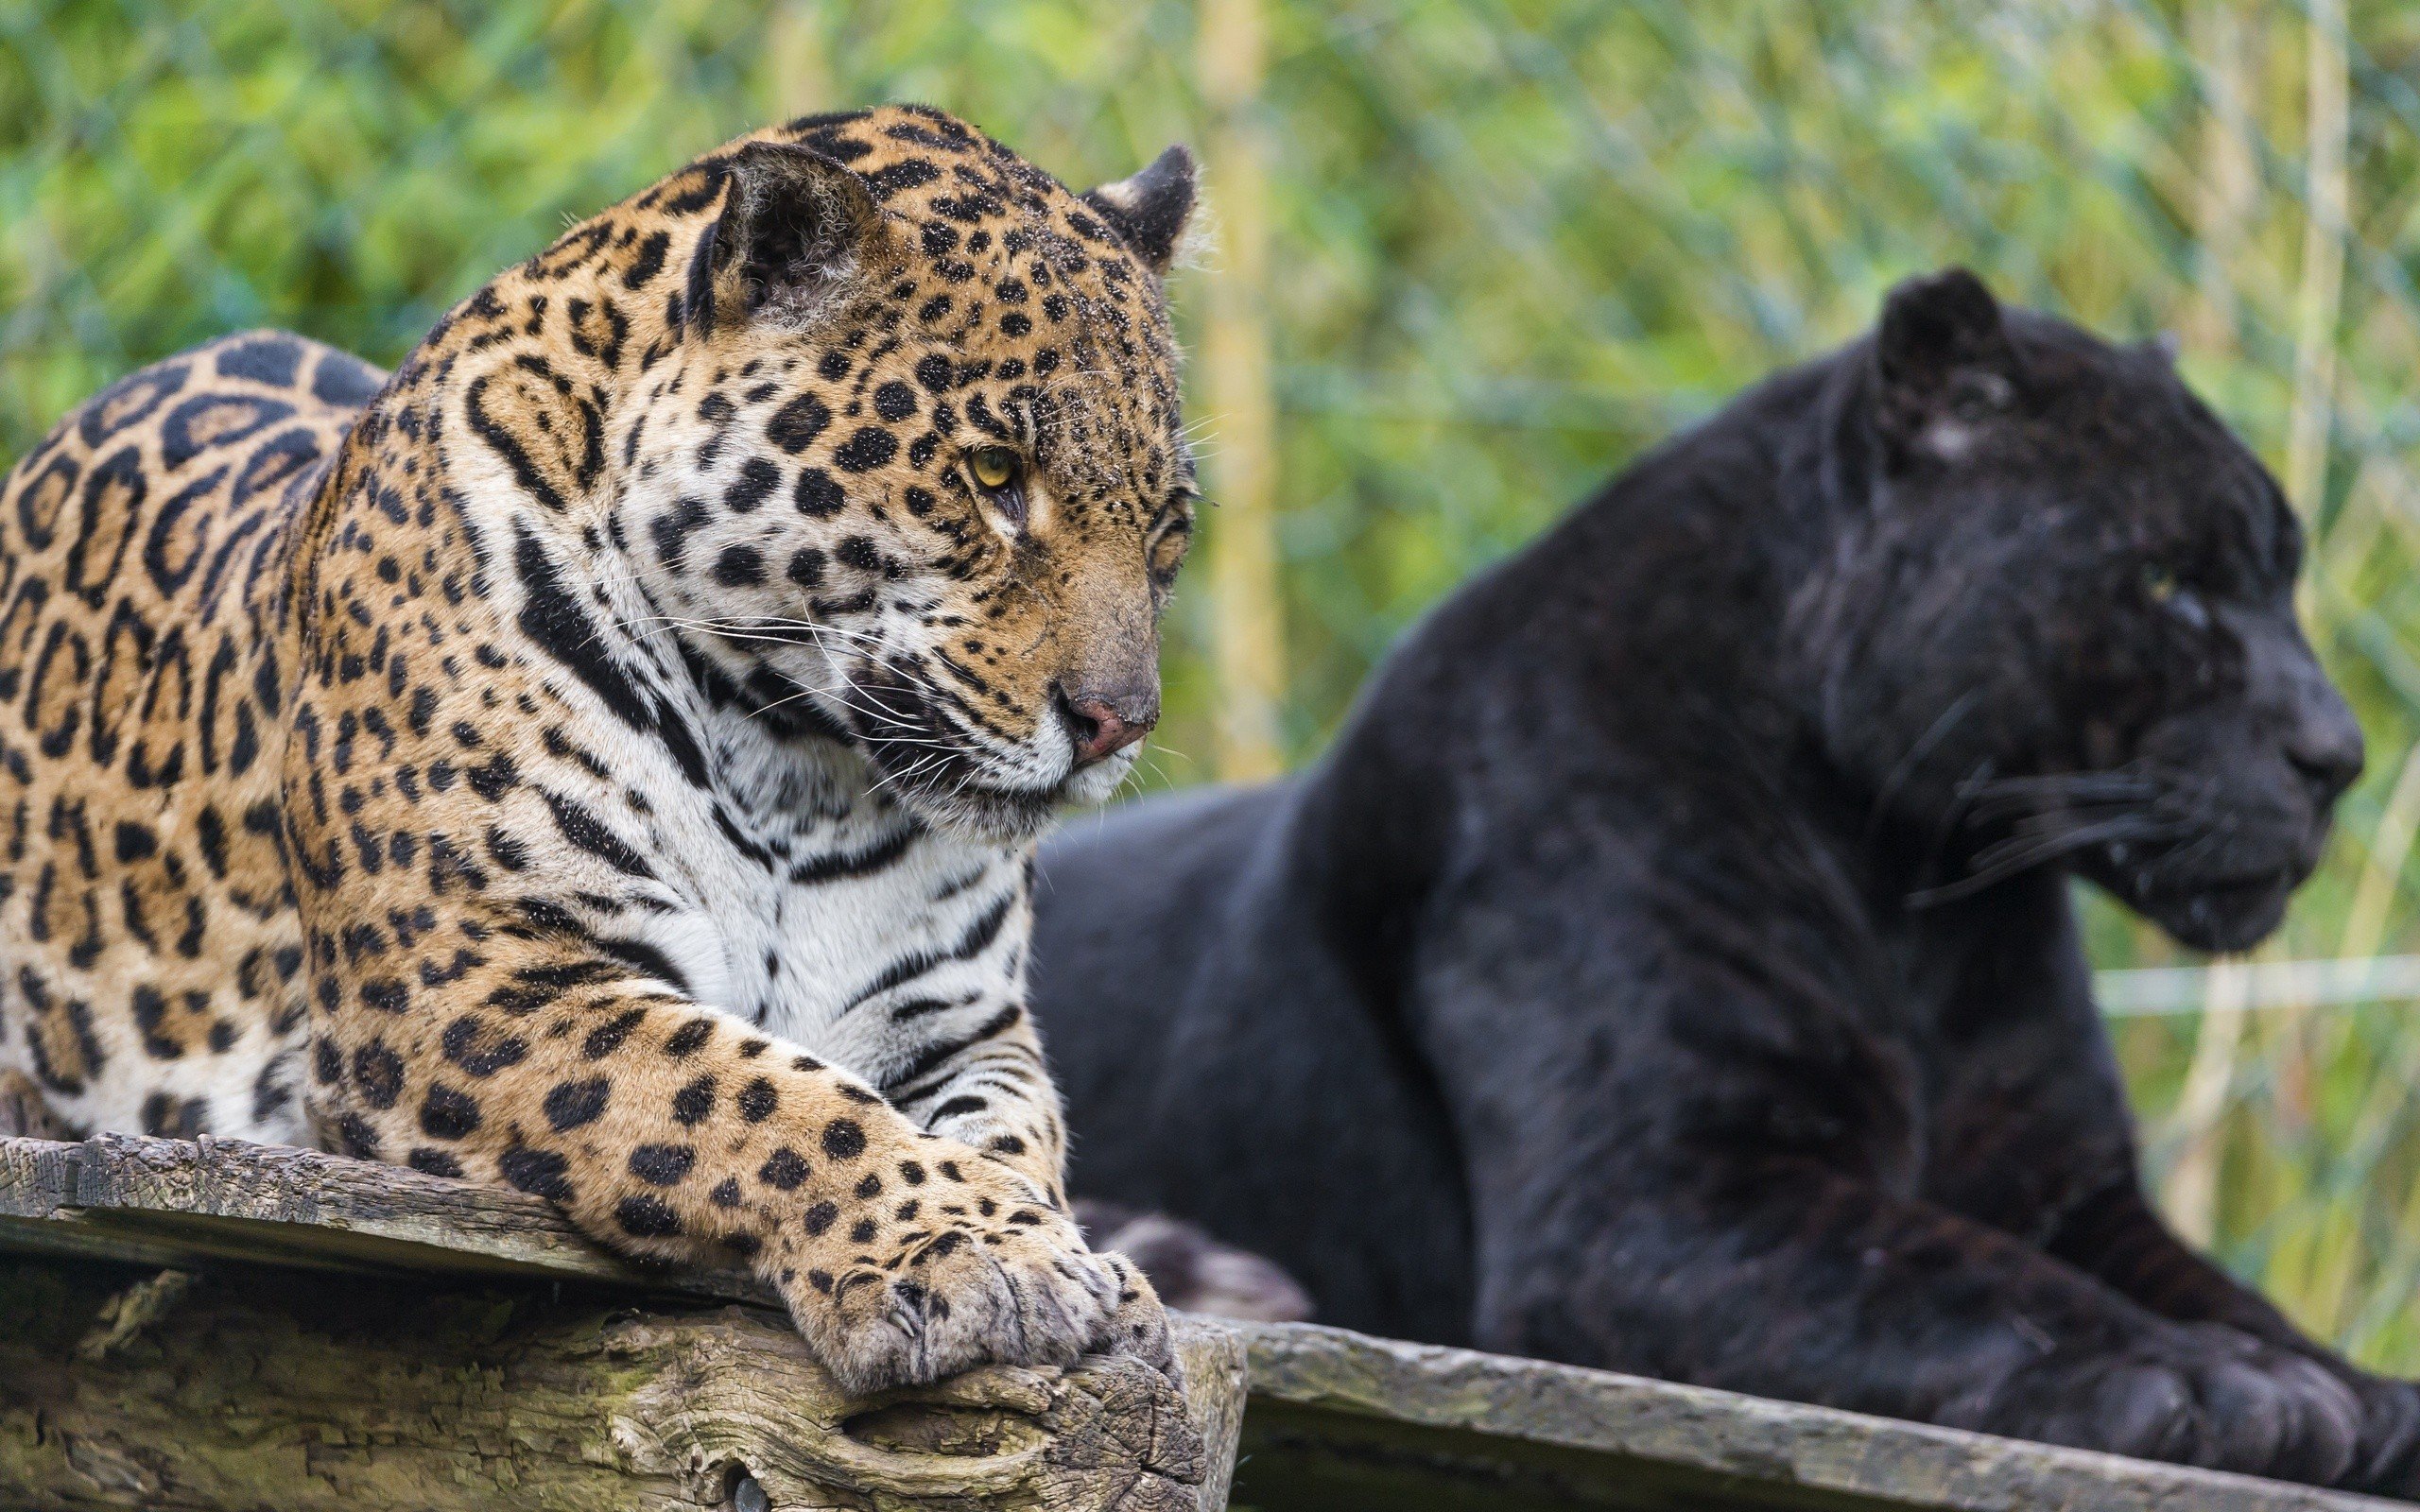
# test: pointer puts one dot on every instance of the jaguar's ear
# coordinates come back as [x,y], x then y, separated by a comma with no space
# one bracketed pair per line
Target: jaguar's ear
[795,226]
[1151,209]
[1945,362]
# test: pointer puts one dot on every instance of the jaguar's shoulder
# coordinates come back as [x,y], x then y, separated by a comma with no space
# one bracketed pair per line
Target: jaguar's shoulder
[208,398]
[246,412]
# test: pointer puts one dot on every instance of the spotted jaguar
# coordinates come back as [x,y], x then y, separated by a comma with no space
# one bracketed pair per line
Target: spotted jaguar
[605,756]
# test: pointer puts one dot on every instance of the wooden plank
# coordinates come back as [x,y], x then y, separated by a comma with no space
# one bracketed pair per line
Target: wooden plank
[171,1202]
[1337,1420]
[1342,1421]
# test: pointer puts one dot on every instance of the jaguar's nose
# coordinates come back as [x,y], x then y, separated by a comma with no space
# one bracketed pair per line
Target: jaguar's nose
[1102,722]
[2325,744]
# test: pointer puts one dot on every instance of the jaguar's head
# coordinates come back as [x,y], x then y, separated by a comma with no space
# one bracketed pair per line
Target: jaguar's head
[915,471]
[2059,621]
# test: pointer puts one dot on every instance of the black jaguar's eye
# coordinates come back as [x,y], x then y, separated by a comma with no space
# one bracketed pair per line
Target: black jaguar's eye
[2164,589]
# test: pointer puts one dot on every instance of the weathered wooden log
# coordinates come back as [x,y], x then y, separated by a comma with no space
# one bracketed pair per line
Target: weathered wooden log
[446,1370]
[256,1390]
[459,1386]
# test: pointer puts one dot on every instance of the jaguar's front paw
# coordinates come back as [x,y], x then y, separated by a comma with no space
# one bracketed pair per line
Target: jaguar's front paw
[972,1266]
[2387,1462]
[2195,1393]
[1139,1323]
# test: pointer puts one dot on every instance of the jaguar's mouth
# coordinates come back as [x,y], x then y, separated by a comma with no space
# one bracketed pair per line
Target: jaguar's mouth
[2230,911]
[980,783]
[957,785]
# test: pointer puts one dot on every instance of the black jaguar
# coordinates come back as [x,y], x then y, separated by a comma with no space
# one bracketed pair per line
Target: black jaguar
[1672,969]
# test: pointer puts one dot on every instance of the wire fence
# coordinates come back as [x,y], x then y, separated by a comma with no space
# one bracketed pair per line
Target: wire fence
[1467,256]
[2126,993]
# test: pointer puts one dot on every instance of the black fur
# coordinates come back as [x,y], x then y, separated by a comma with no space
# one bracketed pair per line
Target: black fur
[1191,1271]
[1672,967]
[1151,209]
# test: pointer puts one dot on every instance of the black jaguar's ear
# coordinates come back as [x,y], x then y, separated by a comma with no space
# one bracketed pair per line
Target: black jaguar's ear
[1150,210]
[1945,360]
[794,226]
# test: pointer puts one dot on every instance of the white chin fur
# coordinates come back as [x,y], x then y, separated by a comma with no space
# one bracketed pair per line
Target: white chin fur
[1096,784]
[1008,817]
[981,816]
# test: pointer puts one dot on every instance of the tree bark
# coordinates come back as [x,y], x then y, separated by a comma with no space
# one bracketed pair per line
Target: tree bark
[257,1389]
[484,1376]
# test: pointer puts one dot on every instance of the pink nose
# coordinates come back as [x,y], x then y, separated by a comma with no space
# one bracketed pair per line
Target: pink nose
[1101,727]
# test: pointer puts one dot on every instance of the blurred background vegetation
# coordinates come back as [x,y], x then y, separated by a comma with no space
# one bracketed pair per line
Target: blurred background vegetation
[1467,257]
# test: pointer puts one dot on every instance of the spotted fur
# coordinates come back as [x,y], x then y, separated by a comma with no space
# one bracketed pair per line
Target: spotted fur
[604,757]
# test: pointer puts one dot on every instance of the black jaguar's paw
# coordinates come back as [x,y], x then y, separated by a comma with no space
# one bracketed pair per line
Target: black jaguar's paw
[1192,1272]
[2388,1460]
[2198,1394]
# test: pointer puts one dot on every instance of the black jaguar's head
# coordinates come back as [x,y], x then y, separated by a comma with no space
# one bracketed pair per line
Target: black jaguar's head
[2059,625]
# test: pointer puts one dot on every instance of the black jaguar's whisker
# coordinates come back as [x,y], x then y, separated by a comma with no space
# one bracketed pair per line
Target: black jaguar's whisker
[2118,778]
[2053,789]
[2022,852]
[1906,770]
[2213,836]
[2024,809]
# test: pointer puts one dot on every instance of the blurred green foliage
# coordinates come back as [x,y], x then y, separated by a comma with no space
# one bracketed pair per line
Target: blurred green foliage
[1514,241]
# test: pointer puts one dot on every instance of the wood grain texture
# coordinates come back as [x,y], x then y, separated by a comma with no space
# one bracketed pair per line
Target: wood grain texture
[1337,1421]
[254,1390]
[174,1202]
[429,1379]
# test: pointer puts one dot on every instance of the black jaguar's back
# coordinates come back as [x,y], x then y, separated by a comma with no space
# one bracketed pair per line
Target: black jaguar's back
[1227,1066]
[1267,953]
[1671,968]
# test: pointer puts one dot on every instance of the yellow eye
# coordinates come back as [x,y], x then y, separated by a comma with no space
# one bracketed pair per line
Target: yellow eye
[2159,582]
[995,467]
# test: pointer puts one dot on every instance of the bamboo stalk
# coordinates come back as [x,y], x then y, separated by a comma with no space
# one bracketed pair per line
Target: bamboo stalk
[795,77]
[2227,187]
[1240,538]
[2318,309]
[2389,849]
[2327,205]
[2190,1193]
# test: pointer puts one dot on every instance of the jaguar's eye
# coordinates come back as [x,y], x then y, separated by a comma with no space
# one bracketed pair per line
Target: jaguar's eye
[2161,586]
[993,466]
